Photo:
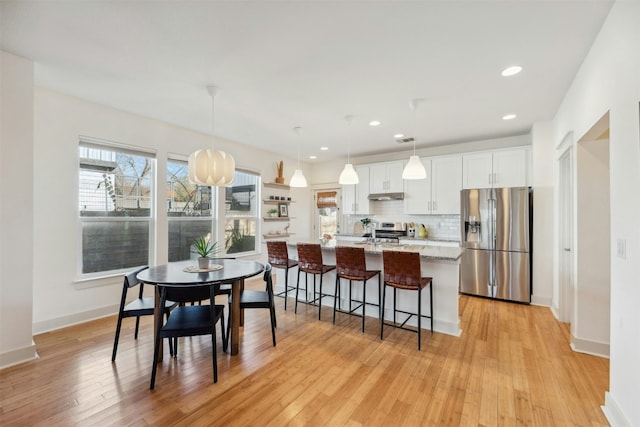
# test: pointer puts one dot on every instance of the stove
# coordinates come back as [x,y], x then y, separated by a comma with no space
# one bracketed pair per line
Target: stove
[388,232]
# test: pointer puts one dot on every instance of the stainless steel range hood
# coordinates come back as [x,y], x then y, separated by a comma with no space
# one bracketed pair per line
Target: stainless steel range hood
[386,196]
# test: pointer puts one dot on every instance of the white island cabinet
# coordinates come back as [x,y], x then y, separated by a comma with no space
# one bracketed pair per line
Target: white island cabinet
[438,262]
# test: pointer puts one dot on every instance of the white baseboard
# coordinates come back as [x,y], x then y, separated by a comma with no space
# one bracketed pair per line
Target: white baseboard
[593,348]
[543,301]
[17,356]
[612,411]
[74,319]
[555,310]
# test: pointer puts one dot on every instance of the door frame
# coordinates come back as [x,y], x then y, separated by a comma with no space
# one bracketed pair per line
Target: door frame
[566,231]
[315,225]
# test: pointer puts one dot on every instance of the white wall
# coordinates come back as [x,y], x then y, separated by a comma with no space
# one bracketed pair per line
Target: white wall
[16,209]
[59,299]
[543,154]
[609,81]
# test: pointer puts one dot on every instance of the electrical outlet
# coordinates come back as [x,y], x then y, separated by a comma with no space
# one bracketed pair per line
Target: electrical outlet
[621,251]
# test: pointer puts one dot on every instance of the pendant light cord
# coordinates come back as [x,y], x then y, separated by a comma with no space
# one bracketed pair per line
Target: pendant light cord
[414,106]
[348,119]
[213,91]
[297,130]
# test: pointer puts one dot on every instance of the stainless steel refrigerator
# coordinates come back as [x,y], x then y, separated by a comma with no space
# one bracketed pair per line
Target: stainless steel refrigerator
[496,225]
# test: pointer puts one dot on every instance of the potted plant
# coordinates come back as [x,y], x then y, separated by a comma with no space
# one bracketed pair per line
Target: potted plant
[272,212]
[205,247]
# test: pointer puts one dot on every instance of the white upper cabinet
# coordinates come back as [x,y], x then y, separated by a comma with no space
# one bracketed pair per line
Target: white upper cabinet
[355,197]
[386,177]
[446,174]
[499,168]
[439,193]
[417,192]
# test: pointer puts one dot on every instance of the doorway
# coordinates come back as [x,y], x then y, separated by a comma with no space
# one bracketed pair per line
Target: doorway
[327,216]
[567,291]
[584,238]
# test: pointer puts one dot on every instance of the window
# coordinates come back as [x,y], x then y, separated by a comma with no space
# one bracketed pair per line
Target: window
[190,209]
[241,212]
[115,199]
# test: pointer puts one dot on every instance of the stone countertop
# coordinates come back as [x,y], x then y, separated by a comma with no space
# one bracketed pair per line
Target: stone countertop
[431,240]
[441,253]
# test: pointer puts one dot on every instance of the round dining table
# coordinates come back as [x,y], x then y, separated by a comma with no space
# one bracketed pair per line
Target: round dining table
[187,273]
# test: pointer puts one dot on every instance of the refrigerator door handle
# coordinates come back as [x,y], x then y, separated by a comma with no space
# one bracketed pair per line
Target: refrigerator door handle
[492,245]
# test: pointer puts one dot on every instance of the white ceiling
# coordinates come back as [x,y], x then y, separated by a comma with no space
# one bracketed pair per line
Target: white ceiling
[281,64]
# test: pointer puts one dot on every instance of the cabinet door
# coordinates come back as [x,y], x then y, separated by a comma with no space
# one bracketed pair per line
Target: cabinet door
[417,192]
[477,170]
[349,199]
[446,175]
[386,177]
[510,168]
[378,178]
[394,177]
[362,190]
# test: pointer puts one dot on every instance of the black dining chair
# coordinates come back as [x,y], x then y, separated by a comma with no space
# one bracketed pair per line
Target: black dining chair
[141,306]
[189,320]
[220,288]
[259,299]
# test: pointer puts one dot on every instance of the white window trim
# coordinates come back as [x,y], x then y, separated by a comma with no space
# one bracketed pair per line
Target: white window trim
[106,278]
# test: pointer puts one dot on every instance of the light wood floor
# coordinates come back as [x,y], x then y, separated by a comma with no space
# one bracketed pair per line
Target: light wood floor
[511,366]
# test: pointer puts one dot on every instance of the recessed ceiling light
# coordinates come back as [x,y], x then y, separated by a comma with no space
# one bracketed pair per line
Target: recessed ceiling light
[313,157]
[511,71]
[324,148]
[398,135]
[508,117]
[374,123]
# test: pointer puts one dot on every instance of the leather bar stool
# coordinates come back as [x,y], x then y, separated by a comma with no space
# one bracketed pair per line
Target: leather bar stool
[402,271]
[279,258]
[351,265]
[310,262]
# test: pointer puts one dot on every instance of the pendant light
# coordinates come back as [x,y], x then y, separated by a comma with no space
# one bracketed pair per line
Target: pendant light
[209,166]
[348,175]
[298,179]
[414,169]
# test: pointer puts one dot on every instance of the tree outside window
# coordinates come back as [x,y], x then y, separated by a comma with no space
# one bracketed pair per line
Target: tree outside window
[115,199]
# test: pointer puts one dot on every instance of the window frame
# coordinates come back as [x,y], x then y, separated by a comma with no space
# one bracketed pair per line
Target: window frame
[213,218]
[151,154]
[256,217]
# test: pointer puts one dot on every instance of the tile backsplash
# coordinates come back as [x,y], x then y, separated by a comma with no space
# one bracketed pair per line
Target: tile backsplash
[440,226]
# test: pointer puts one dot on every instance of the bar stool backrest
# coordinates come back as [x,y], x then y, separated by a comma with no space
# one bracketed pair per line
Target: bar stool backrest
[277,253]
[310,258]
[402,269]
[350,261]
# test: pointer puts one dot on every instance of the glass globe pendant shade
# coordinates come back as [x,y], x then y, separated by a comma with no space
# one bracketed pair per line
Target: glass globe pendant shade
[211,167]
[414,169]
[298,179]
[348,175]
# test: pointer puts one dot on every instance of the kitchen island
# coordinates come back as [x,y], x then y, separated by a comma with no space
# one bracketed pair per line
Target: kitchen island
[442,263]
